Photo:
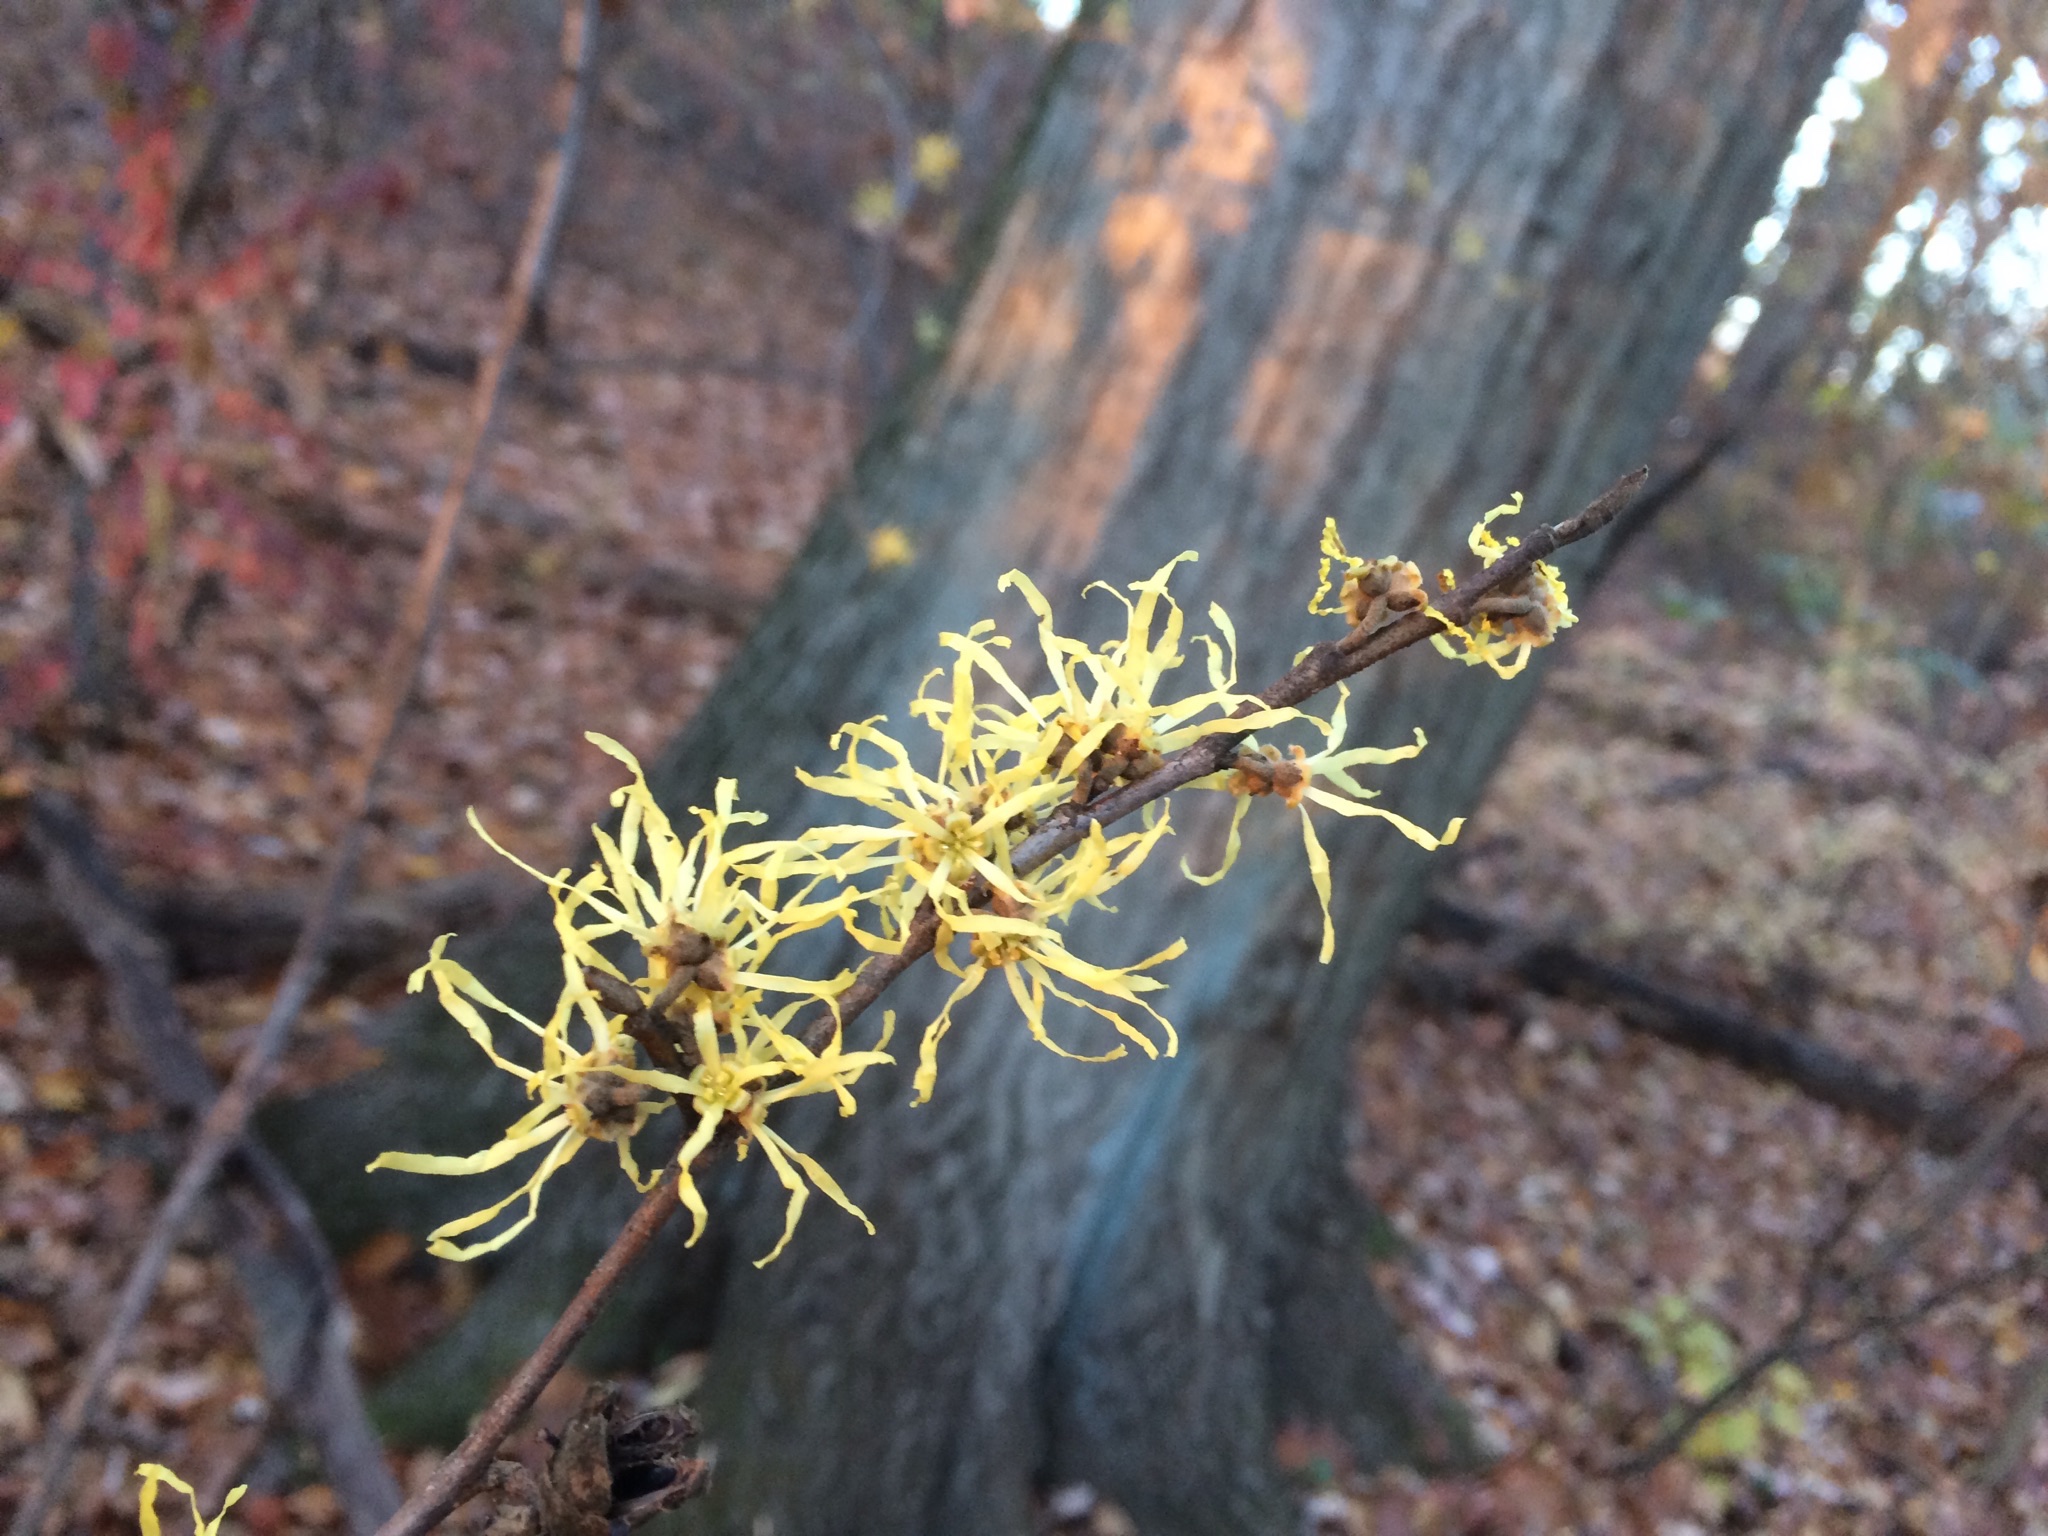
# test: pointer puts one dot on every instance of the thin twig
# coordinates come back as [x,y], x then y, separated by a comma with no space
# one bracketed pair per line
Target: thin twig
[92,689]
[222,1129]
[1322,668]
[458,1473]
[1786,1348]
[2022,1268]
[327,1399]
[2016,1436]
[235,93]
[1802,322]
[310,1374]
[1939,1203]
[1798,1338]
[1794,1345]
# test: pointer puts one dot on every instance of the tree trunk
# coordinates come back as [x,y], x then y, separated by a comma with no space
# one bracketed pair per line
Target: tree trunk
[1263,262]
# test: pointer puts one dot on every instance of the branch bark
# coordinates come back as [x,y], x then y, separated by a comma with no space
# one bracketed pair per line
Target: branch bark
[459,1473]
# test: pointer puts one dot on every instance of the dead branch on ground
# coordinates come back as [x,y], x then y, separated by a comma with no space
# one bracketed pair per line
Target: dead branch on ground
[1554,966]
[443,360]
[305,1322]
[231,932]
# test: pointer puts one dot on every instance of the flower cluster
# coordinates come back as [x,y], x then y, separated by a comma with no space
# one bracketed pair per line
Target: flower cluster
[1006,760]
[1292,776]
[1506,624]
[1513,621]
[669,996]
[1373,593]
[705,917]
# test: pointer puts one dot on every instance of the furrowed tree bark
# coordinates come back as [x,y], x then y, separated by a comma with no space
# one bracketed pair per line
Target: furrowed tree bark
[1261,262]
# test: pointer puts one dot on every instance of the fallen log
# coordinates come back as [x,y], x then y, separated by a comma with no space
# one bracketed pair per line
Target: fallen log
[1557,968]
[225,933]
[211,933]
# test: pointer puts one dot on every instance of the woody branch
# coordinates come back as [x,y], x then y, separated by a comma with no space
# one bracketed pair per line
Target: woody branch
[1321,669]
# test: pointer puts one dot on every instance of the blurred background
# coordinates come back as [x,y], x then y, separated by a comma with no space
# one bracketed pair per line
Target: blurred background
[1709,1056]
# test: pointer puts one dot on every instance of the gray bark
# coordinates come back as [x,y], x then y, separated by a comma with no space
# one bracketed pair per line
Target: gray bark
[1263,262]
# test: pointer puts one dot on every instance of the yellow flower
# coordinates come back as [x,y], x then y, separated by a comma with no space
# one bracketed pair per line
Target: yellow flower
[1261,772]
[1511,623]
[889,546]
[1016,938]
[1482,540]
[935,159]
[1106,716]
[949,839]
[712,911]
[706,922]
[598,1093]
[1374,593]
[152,1474]
[942,831]
[744,1065]
[735,1080]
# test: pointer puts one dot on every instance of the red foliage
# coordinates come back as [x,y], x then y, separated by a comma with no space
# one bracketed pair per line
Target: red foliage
[148,179]
[112,48]
[150,382]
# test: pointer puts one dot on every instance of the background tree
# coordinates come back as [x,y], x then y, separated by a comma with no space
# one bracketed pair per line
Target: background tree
[1906,421]
[1257,265]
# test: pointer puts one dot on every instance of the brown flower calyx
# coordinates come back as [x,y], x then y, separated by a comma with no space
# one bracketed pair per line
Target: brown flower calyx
[610,1471]
[1264,771]
[681,957]
[1377,592]
[1123,758]
[999,949]
[612,1102]
[1526,610]
[667,1046]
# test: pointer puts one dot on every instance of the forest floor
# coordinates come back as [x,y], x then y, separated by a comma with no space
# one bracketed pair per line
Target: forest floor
[1589,1220]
